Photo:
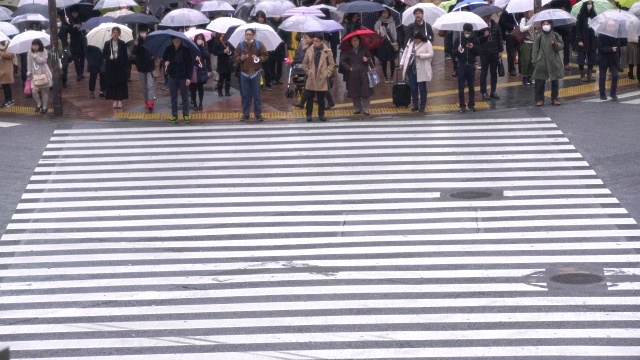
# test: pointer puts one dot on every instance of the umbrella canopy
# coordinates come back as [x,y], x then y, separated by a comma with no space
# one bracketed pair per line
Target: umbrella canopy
[137,18]
[222,24]
[303,10]
[98,36]
[114,4]
[94,22]
[454,21]
[369,19]
[264,33]
[6,10]
[470,4]
[158,41]
[616,23]
[32,9]
[483,11]
[214,5]
[430,11]
[3,37]
[360,7]
[30,2]
[21,43]
[333,11]
[8,29]
[118,13]
[599,6]
[518,6]
[273,8]
[369,39]
[30,18]
[635,9]
[501,3]
[309,23]
[446,5]
[191,34]
[559,17]
[4,16]
[66,3]
[183,18]
[626,3]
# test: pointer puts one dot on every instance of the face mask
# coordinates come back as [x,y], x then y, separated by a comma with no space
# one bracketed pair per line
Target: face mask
[58,24]
[546,28]
[467,35]
[589,7]
[200,42]
[143,35]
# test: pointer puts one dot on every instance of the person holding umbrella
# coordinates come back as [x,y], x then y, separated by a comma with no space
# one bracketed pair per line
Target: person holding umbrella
[145,64]
[318,65]
[6,73]
[386,27]
[202,66]
[39,73]
[77,41]
[178,62]
[416,66]
[249,55]
[115,54]
[547,62]
[420,25]
[63,39]
[526,49]
[586,40]
[608,59]
[355,60]
[223,51]
[466,53]
[261,18]
[491,48]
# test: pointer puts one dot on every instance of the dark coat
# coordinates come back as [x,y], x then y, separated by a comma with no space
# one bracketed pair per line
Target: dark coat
[606,55]
[357,72]
[584,33]
[63,35]
[77,38]
[94,59]
[118,69]
[507,22]
[425,29]
[205,61]
[224,60]
[145,62]
[491,44]
[180,62]
[467,56]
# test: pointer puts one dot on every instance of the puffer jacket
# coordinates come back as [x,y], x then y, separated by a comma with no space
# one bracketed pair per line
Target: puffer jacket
[491,44]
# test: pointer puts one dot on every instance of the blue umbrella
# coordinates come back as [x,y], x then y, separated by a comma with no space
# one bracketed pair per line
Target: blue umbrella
[94,22]
[158,41]
[471,4]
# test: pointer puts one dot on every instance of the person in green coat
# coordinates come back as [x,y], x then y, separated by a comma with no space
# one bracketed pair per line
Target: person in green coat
[547,63]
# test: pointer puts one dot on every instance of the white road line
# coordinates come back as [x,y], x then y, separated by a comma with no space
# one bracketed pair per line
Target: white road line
[309,219]
[631,102]
[621,96]
[7,124]
[214,133]
[343,153]
[315,162]
[547,192]
[374,336]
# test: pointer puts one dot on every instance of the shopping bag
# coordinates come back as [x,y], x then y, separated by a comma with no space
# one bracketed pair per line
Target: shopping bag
[373,77]
[27,87]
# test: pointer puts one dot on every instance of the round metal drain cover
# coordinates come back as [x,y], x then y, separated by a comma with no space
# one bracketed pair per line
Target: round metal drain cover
[471,195]
[577,278]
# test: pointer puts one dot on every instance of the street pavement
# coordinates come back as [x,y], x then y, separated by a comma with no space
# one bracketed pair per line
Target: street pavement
[442,237]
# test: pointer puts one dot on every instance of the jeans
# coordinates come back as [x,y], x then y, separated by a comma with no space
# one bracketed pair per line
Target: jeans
[417,87]
[603,78]
[540,89]
[174,85]
[311,95]
[148,81]
[92,81]
[466,74]
[250,87]
[489,63]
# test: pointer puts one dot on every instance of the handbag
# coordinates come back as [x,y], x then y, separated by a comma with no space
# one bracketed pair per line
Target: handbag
[194,75]
[500,67]
[518,35]
[40,80]
[373,77]
[394,45]
[27,87]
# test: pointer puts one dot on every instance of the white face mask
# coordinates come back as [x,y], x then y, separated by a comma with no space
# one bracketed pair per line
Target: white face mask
[546,28]
[589,7]
[467,35]
[143,35]
[200,42]
[58,24]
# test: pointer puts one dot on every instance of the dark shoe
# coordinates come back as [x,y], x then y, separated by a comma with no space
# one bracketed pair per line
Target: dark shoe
[227,93]
[495,96]
[472,108]
[556,102]
[631,76]
[486,96]
[260,119]
[529,80]
[200,107]
[603,97]
[366,114]
[64,86]
[462,109]
[37,109]
[44,111]
[269,89]
[330,106]
[278,82]
[421,110]
[244,118]
[524,81]
[567,68]
[414,109]
[322,118]
[101,94]
[220,93]
[309,119]
[298,105]
[614,97]
[92,95]
[455,73]
[512,73]
[195,107]
[356,112]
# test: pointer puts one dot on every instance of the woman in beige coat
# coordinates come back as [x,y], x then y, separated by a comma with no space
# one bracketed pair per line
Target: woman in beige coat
[36,67]
[416,66]
[6,73]
[318,65]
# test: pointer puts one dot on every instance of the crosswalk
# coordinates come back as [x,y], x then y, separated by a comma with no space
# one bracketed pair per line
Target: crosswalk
[630,98]
[421,239]
[4,124]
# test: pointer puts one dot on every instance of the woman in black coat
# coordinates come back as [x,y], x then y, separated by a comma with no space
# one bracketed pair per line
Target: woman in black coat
[354,62]
[586,40]
[117,66]
[202,64]
[223,51]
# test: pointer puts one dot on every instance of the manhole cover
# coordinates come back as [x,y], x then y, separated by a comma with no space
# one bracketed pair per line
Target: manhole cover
[471,195]
[577,278]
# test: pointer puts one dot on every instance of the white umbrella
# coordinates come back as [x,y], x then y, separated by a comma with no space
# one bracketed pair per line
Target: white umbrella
[118,13]
[616,23]
[29,18]
[557,16]
[27,2]
[309,23]
[264,33]
[114,4]
[191,34]
[21,43]
[454,21]
[3,37]
[273,8]
[8,29]
[634,9]
[303,10]
[333,12]
[519,6]
[183,18]
[501,3]
[4,16]
[98,36]
[214,5]
[222,24]
[66,3]
[6,10]
[431,13]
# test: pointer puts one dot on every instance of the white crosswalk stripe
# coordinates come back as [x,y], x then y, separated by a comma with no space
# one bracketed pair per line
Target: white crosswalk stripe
[630,98]
[4,124]
[357,240]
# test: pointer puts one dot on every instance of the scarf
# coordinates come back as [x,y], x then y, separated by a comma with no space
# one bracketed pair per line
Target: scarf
[387,31]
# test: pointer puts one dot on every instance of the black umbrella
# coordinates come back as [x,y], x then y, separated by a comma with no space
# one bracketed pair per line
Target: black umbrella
[158,41]
[137,18]
[229,32]
[32,9]
[483,11]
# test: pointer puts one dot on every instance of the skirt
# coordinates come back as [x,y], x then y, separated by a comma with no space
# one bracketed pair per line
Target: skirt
[117,92]
[633,53]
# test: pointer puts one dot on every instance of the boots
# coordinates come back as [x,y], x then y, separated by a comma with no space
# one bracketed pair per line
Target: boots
[590,75]
[151,105]
[227,89]
[582,75]
[220,89]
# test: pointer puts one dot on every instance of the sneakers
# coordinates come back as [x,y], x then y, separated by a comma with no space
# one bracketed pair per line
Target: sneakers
[92,95]
[7,104]
[151,104]
[309,118]
[556,102]
[472,108]
[244,118]
[495,96]
[260,119]
[486,96]
[603,97]
[173,120]
[186,119]
[322,118]
[415,109]
[101,94]
[614,97]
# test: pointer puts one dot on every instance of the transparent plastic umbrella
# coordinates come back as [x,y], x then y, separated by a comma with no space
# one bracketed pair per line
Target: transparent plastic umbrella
[3,37]
[21,43]
[222,24]
[214,5]
[191,34]
[454,21]
[520,6]
[615,23]
[32,9]
[309,23]
[273,8]
[66,3]
[114,4]
[304,10]
[4,16]
[6,10]
[183,18]
[264,33]
[8,29]
[430,11]
[635,9]
[29,2]
[98,36]
[30,18]
[557,16]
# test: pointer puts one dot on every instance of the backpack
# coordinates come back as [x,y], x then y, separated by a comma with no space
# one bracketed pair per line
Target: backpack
[257,45]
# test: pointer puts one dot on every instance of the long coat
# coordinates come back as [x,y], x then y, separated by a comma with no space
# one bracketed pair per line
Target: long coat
[546,58]
[356,71]
[6,67]
[117,69]
[423,56]
[38,64]
[584,33]
[202,71]
[606,55]
[224,60]
[317,79]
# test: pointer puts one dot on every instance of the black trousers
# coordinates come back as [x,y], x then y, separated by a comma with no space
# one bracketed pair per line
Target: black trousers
[92,82]
[8,96]
[512,49]
[566,39]
[78,62]
[540,89]
[320,96]
[466,74]
[224,79]
[489,64]
[197,89]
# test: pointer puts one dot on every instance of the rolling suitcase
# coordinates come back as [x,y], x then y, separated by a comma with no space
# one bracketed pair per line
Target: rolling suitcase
[401,92]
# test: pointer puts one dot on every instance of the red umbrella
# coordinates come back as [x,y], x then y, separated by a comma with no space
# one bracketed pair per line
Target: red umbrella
[368,38]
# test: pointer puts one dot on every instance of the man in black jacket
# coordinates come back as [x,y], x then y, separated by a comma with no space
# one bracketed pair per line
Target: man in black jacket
[178,63]
[507,23]
[466,53]
[608,59]
[145,63]
[419,25]
[491,48]
[77,41]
